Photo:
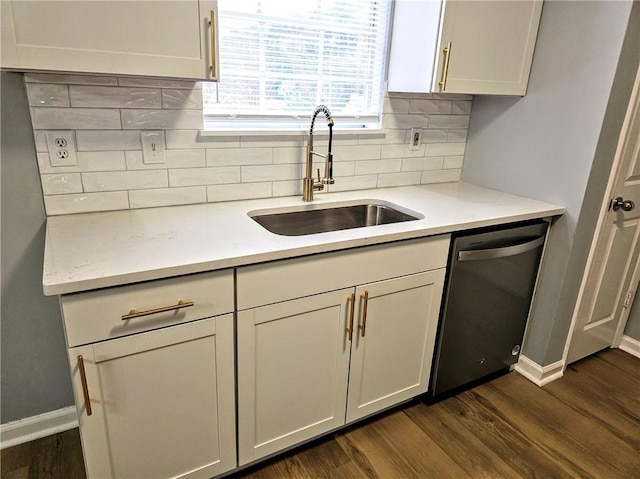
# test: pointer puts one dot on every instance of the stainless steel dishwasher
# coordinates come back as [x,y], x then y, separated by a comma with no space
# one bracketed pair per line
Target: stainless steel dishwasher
[491,278]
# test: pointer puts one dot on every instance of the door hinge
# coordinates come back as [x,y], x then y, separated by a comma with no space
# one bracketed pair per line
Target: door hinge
[627,300]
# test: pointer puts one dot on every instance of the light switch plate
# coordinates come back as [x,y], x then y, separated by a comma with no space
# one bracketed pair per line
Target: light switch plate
[152,147]
[62,148]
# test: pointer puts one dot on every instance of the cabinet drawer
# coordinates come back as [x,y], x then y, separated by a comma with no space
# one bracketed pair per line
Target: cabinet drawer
[294,278]
[98,315]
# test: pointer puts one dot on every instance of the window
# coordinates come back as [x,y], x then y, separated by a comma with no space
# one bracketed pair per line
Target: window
[279,59]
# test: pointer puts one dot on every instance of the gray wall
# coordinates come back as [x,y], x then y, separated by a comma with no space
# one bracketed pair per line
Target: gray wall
[633,323]
[545,144]
[34,370]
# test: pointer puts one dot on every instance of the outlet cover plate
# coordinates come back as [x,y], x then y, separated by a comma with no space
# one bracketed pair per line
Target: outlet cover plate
[415,138]
[62,148]
[152,147]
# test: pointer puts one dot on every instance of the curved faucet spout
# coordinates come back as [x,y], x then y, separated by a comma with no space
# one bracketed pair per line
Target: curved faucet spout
[309,185]
[321,109]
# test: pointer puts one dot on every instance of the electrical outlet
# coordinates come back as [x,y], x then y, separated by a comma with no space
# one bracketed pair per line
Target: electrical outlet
[415,138]
[62,148]
[152,147]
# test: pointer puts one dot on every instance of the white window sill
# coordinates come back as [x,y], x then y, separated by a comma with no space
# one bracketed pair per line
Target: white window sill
[319,132]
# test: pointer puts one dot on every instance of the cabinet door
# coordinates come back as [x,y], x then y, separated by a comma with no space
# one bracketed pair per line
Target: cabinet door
[153,38]
[492,45]
[293,362]
[162,402]
[394,341]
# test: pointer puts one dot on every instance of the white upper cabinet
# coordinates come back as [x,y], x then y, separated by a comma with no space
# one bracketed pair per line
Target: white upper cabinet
[170,38]
[471,47]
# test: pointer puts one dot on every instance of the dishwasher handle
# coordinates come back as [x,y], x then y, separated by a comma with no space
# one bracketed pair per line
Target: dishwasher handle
[503,252]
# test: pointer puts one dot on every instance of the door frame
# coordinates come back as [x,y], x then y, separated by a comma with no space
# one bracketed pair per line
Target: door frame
[604,208]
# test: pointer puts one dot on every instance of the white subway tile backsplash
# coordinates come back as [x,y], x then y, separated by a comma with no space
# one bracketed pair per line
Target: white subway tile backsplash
[182,99]
[350,183]
[167,197]
[428,107]
[41,141]
[86,203]
[204,176]
[99,140]
[124,180]
[162,119]
[461,108]
[158,83]
[355,152]
[287,188]
[101,160]
[344,168]
[457,136]
[242,191]
[440,176]
[70,79]
[433,136]
[182,139]
[74,118]
[239,156]
[448,121]
[398,179]
[43,94]
[289,155]
[108,115]
[401,151]
[378,166]
[114,97]
[253,174]
[452,162]
[444,149]
[59,184]
[173,159]
[406,121]
[421,164]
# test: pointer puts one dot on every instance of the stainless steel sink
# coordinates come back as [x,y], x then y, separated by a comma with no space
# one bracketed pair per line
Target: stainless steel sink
[308,220]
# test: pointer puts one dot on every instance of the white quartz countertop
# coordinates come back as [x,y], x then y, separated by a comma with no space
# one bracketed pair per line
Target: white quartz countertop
[98,250]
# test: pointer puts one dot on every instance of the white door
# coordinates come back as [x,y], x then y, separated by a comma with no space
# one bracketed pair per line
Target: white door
[158,404]
[610,283]
[293,362]
[491,46]
[393,342]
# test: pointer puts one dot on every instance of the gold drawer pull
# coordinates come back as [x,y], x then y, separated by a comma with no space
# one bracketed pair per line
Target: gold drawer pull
[365,298]
[352,301]
[85,388]
[214,68]
[445,71]
[136,314]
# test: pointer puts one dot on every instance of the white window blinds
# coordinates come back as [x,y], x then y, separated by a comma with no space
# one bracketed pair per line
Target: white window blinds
[281,58]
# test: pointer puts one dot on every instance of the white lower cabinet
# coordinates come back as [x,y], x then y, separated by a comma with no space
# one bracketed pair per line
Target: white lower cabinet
[161,402]
[392,345]
[155,400]
[293,363]
[311,364]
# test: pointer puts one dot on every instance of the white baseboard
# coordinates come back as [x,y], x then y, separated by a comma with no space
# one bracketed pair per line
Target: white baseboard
[35,427]
[539,375]
[630,345]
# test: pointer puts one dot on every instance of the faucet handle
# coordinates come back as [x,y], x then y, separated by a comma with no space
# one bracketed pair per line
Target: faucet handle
[318,186]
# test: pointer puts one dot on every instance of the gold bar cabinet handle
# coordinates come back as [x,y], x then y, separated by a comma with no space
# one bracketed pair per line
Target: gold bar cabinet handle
[136,314]
[365,299]
[213,31]
[351,300]
[85,388]
[445,71]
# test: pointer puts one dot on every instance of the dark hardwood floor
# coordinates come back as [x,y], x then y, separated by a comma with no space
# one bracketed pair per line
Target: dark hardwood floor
[585,425]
